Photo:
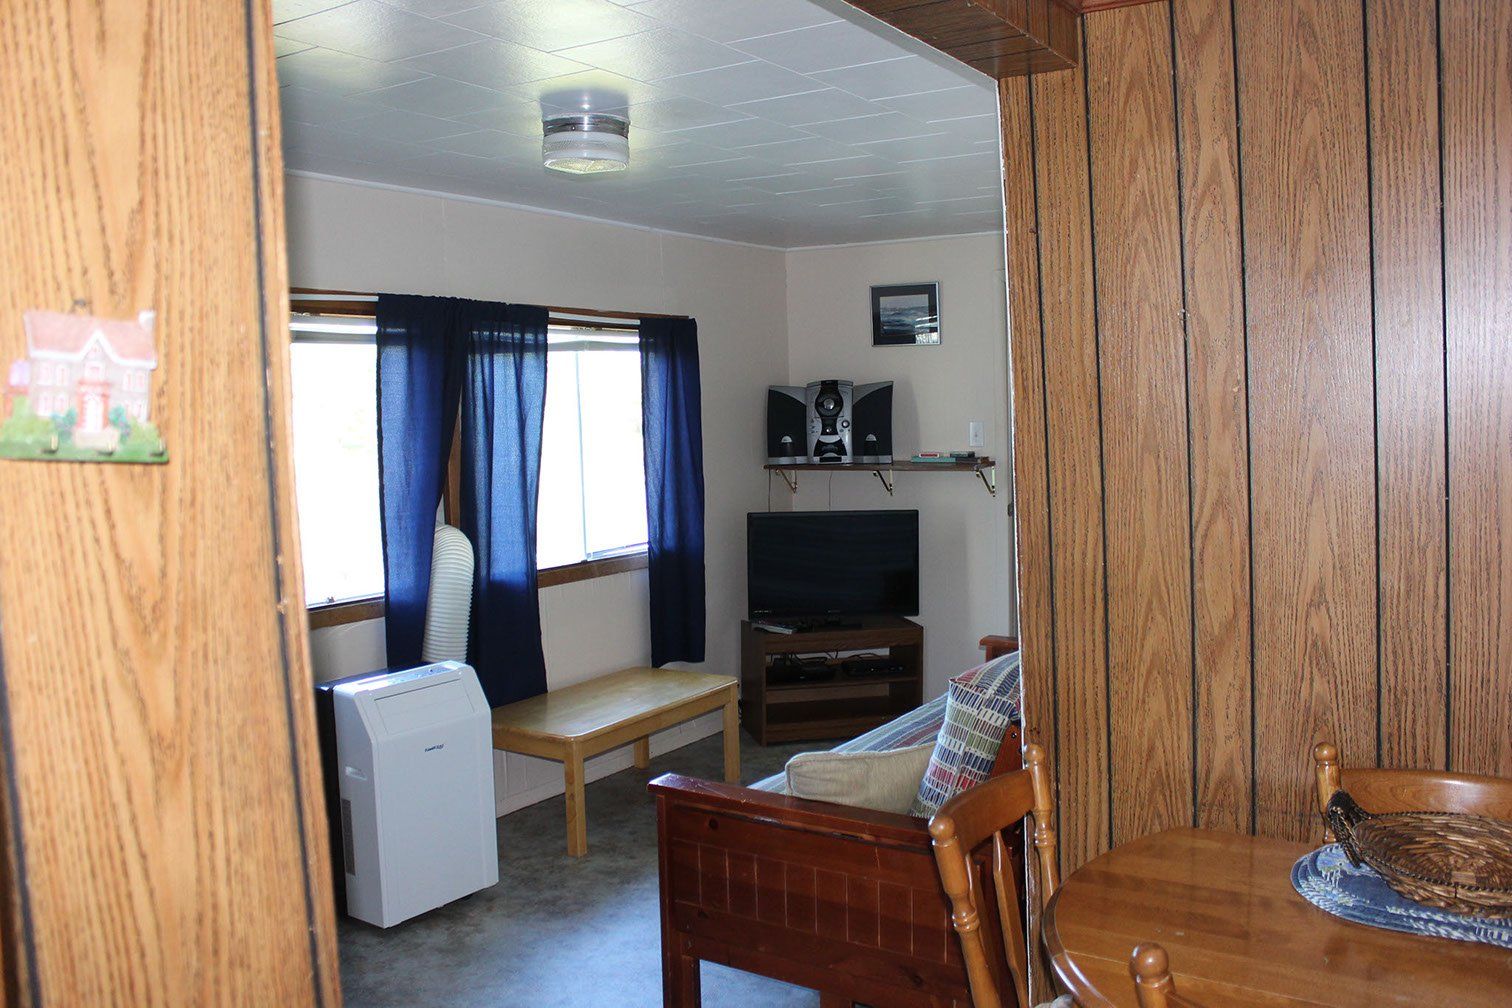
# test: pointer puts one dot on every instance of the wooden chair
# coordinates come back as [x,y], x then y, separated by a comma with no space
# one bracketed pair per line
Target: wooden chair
[967,822]
[1409,790]
[1153,985]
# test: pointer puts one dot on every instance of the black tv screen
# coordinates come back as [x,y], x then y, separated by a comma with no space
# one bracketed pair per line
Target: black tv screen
[820,563]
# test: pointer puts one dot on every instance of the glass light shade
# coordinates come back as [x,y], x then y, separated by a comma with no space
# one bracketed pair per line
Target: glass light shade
[586,144]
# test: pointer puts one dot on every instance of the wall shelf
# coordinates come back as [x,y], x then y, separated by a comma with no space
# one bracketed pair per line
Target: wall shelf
[985,469]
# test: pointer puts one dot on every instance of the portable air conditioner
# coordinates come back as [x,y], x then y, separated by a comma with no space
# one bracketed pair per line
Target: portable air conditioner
[414,761]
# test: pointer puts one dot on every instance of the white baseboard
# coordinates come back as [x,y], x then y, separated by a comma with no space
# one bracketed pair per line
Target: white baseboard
[509,766]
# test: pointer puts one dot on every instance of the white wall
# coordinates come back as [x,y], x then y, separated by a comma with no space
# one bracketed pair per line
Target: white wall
[765,318]
[966,544]
[354,237]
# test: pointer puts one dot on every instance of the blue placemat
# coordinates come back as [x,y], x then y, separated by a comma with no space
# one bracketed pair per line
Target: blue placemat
[1327,880]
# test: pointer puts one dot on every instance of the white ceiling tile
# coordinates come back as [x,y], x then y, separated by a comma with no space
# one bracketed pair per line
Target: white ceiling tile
[432,8]
[894,78]
[906,149]
[742,133]
[653,55]
[751,149]
[825,105]
[288,10]
[672,114]
[953,103]
[826,47]
[729,20]
[376,31]
[869,129]
[549,25]
[593,91]
[409,127]
[741,82]
[436,94]
[288,47]
[339,72]
[322,108]
[489,144]
[494,63]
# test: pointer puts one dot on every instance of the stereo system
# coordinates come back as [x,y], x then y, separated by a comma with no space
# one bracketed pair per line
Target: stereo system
[829,421]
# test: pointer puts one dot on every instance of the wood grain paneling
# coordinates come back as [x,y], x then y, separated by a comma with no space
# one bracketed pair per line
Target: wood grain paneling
[1316,488]
[1030,472]
[1477,160]
[1401,42]
[1141,348]
[1218,410]
[161,773]
[1307,269]
[1074,457]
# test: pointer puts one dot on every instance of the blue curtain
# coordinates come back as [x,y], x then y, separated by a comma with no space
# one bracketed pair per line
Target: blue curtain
[671,404]
[503,409]
[420,367]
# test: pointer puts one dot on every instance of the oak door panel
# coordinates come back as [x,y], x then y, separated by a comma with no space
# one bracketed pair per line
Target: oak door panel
[162,778]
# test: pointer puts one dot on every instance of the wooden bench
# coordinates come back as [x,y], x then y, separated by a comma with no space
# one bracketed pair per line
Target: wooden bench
[573,723]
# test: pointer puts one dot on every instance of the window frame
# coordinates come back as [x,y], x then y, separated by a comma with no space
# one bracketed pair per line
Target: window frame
[304,301]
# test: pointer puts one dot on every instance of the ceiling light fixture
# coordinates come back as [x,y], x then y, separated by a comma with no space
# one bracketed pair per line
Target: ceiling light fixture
[586,144]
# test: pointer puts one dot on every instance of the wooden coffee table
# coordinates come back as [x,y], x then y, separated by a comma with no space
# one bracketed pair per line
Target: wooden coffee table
[576,722]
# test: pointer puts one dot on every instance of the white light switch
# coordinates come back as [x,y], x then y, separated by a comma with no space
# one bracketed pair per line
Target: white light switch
[974,434]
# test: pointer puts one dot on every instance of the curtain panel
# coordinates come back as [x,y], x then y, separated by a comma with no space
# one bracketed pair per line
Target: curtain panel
[503,409]
[434,355]
[420,367]
[671,405]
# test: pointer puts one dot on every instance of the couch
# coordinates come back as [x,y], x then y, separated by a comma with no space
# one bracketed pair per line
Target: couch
[843,900]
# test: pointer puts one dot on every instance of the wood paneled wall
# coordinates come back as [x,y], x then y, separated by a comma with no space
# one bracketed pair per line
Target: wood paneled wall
[164,835]
[1260,268]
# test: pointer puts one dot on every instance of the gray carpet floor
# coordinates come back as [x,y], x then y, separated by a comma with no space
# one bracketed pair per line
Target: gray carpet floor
[559,932]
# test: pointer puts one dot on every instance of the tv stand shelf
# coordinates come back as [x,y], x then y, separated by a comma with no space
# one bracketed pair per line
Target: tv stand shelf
[985,469]
[834,708]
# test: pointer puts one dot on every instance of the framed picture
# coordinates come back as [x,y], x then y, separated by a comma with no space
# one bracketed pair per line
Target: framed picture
[906,315]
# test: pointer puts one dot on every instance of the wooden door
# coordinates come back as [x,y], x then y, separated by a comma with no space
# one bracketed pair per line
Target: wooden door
[162,828]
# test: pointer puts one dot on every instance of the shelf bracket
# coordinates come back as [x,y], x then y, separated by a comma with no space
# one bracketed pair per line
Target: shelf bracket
[989,482]
[791,481]
[882,478]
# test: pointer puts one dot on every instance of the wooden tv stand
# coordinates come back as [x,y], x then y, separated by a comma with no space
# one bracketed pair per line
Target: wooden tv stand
[841,706]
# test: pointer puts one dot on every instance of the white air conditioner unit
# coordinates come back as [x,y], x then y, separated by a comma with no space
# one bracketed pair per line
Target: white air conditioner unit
[414,758]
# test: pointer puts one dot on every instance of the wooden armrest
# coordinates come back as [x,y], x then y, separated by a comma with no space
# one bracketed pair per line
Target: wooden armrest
[794,813]
[996,646]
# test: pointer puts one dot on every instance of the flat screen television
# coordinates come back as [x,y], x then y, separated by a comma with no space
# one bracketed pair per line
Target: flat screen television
[832,563]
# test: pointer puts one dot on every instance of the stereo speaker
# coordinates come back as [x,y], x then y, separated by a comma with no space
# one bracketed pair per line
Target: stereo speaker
[871,423]
[829,420]
[787,421]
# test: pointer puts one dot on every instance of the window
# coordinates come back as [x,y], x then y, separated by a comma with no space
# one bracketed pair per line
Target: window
[336,462]
[593,477]
[592,492]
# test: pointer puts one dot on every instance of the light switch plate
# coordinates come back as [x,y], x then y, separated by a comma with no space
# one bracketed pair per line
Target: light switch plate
[974,434]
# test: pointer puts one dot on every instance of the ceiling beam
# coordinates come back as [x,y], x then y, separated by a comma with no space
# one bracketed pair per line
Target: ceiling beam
[1001,38]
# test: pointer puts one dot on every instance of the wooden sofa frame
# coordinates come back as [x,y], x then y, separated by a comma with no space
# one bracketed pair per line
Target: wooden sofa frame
[843,900]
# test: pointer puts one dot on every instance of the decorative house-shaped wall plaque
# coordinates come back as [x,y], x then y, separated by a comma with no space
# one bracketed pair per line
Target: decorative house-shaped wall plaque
[83,392]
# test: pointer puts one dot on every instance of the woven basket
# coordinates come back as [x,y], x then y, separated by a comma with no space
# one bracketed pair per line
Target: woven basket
[1461,863]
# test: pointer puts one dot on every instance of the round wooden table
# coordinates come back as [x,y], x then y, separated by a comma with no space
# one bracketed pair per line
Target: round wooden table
[1223,906]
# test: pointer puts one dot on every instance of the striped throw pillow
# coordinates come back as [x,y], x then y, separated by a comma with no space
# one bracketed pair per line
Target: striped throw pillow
[980,705]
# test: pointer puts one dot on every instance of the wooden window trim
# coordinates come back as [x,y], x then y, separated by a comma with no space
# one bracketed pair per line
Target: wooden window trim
[329,614]
[550,577]
[332,614]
